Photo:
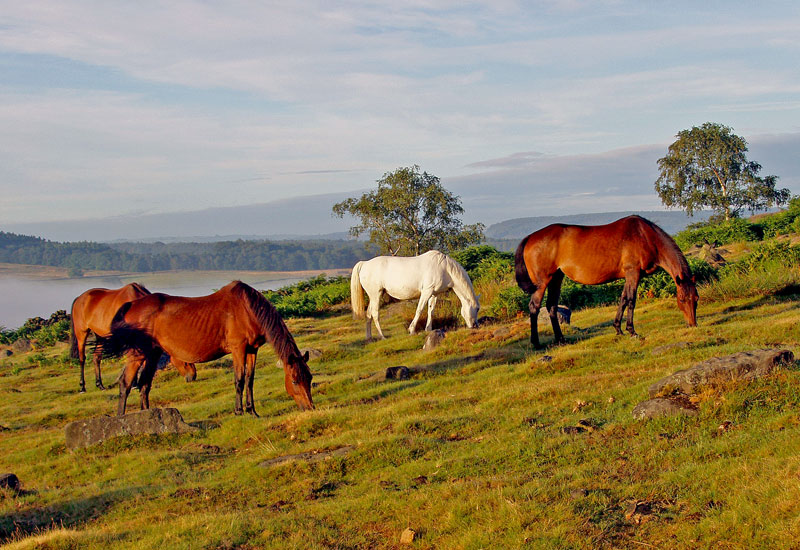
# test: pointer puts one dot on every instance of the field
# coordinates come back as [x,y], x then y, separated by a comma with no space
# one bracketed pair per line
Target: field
[469,453]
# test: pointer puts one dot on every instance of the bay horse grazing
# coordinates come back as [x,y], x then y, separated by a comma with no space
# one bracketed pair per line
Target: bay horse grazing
[406,278]
[236,319]
[93,311]
[593,255]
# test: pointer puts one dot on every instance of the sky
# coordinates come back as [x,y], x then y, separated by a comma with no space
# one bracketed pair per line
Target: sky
[114,109]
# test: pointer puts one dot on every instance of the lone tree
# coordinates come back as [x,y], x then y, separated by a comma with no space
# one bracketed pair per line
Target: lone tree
[410,213]
[706,167]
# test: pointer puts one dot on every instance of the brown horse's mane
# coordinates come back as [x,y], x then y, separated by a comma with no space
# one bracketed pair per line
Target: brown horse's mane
[669,249]
[269,319]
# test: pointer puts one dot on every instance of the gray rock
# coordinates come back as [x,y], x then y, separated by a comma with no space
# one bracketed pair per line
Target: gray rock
[397,373]
[718,371]
[313,353]
[21,345]
[502,332]
[84,433]
[563,314]
[661,406]
[434,339]
[7,353]
[9,481]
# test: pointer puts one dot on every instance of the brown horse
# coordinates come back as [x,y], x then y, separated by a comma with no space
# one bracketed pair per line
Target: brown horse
[236,319]
[593,255]
[93,311]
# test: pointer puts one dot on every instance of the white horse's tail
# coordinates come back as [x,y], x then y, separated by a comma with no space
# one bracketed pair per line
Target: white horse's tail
[357,293]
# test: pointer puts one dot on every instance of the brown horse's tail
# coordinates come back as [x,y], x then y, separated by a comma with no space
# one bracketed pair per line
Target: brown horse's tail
[521,270]
[73,339]
[124,337]
[357,293]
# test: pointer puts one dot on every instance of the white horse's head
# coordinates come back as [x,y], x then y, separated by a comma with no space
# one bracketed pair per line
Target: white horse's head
[469,311]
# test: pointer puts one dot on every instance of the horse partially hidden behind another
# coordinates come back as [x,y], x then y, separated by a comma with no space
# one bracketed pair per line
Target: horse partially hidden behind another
[593,255]
[236,319]
[93,311]
[407,278]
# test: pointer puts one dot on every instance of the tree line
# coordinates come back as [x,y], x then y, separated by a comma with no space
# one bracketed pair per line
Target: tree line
[139,257]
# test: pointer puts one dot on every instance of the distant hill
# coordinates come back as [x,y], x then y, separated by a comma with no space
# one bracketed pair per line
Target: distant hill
[670,221]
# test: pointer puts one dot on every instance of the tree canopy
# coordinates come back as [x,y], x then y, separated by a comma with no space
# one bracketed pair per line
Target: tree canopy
[410,213]
[706,167]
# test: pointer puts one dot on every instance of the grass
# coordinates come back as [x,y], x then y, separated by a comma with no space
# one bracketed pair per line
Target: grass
[469,453]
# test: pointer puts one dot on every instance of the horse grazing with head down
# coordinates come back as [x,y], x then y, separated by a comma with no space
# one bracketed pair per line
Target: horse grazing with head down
[236,319]
[592,255]
[407,278]
[93,311]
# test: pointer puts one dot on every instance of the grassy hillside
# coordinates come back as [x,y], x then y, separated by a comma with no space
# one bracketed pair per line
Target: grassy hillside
[470,453]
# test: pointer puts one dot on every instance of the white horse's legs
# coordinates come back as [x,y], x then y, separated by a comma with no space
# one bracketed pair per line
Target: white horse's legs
[372,315]
[431,305]
[423,299]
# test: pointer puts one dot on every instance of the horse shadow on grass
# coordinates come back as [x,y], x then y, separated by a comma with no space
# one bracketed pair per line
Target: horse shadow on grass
[68,514]
[788,295]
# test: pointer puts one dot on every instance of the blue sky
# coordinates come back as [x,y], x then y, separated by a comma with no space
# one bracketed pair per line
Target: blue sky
[120,108]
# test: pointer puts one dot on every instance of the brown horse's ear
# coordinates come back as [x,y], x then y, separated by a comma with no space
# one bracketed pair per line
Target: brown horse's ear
[305,357]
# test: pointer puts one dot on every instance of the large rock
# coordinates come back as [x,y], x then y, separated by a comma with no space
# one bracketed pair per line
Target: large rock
[21,345]
[84,433]
[9,481]
[718,371]
[563,313]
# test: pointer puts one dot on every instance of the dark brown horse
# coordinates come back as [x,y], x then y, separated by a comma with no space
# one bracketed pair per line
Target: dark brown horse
[592,255]
[236,319]
[93,311]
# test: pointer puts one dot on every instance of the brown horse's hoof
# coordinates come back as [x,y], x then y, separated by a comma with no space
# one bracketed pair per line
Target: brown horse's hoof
[82,390]
[238,412]
[253,413]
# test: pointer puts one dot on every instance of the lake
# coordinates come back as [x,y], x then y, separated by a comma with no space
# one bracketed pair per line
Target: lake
[23,297]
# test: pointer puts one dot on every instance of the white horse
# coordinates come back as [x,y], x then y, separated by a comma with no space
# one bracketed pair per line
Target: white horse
[424,277]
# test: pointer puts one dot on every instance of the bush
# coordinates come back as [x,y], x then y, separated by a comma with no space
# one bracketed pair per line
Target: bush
[310,298]
[731,231]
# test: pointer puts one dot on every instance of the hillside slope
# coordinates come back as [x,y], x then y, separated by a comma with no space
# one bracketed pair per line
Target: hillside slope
[470,452]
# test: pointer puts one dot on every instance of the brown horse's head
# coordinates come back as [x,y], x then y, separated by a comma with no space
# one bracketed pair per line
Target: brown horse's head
[297,379]
[687,299]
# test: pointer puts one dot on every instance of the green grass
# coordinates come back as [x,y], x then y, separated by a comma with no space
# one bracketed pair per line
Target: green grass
[469,452]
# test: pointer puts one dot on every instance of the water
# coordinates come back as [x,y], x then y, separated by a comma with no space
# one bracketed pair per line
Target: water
[22,298]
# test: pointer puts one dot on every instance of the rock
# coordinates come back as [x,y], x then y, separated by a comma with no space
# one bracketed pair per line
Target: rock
[408,536]
[711,256]
[21,345]
[84,433]
[636,509]
[313,353]
[397,373]
[577,494]
[661,406]
[563,314]
[9,481]
[7,353]
[502,332]
[546,359]
[573,430]
[718,371]
[434,339]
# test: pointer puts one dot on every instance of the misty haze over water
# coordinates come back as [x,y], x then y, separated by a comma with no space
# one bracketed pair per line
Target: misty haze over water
[22,298]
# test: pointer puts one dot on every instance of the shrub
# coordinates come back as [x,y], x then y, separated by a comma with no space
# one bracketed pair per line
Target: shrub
[310,298]
[734,230]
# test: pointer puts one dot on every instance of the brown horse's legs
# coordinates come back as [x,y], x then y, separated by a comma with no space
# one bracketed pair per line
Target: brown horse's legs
[98,379]
[533,306]
[146,379]
[250,363]
[239,358]
[80,337]
[553,294]
[628,299]
[126,381]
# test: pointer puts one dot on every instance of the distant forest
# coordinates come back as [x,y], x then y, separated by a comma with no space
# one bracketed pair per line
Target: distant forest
[238,255]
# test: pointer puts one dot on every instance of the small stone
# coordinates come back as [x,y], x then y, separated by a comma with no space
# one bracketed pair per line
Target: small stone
[420,480]
[572,430]
[397,373]
[7,352]
[580,405]
[502,332]
[313,353]
[546,359]
[611,399]
[434,339]
[577,494]
[9,481]
[724,427]
[408,536]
